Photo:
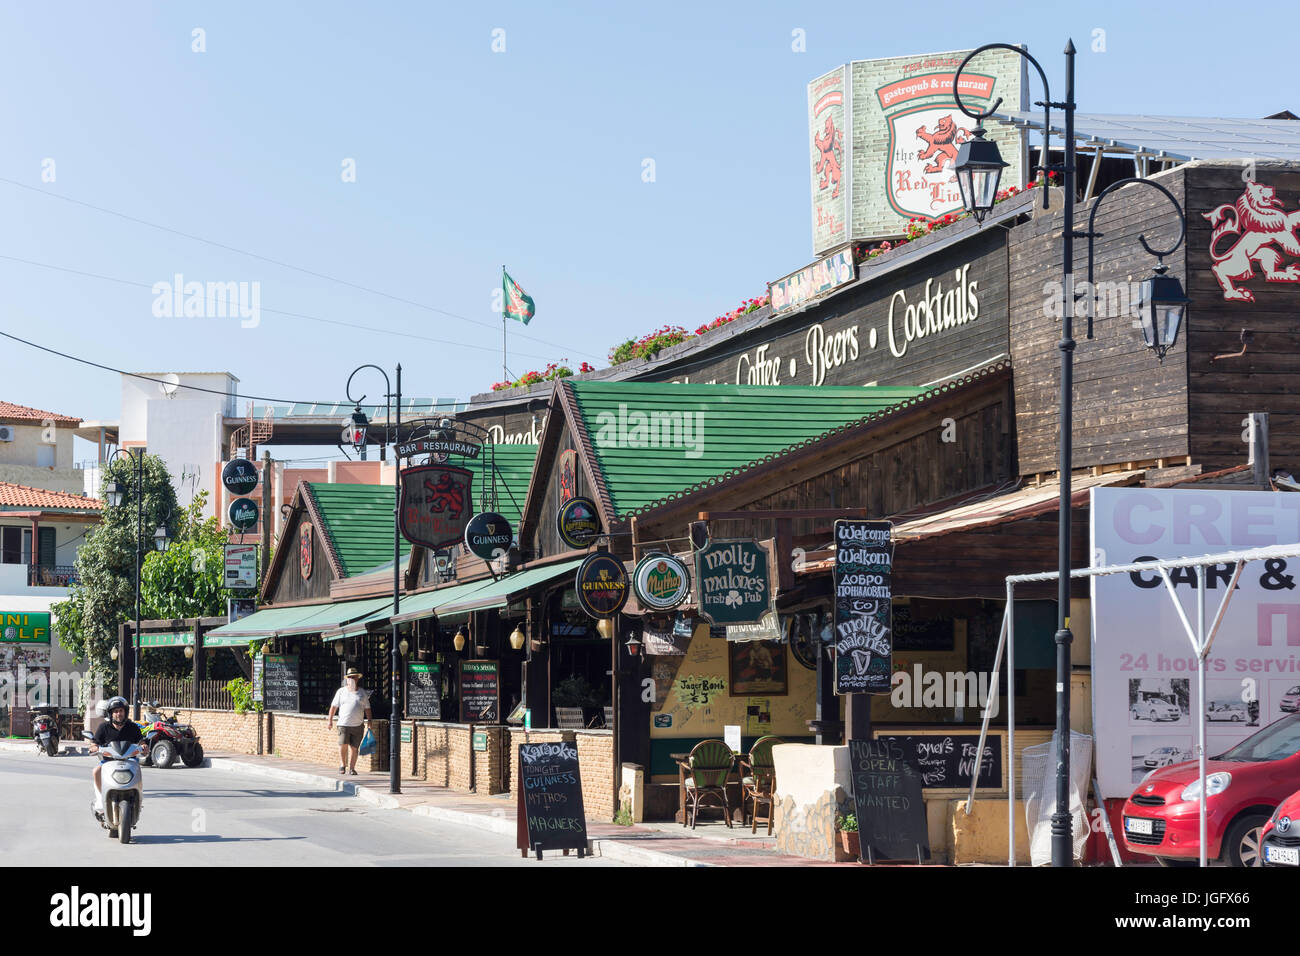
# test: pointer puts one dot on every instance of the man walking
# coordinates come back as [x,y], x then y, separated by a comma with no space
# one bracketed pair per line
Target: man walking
[352,704]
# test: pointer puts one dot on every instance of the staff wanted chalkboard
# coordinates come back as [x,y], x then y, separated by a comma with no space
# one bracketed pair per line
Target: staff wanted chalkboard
[280,683]
[864,560]
[551,815]
[424,691]
[951,760]
[888,801]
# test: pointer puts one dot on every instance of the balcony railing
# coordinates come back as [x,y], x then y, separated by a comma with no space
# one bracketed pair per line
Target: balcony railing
[53,576]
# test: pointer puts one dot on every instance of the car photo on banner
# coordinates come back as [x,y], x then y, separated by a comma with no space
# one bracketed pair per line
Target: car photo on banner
[1159,700]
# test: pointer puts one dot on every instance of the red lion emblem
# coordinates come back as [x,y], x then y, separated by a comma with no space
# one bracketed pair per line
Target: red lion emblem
[1265,231]
[829,164]
[446,496]
[942,143]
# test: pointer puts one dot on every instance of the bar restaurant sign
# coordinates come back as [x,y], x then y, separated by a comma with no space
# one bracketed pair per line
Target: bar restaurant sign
[25,627]
[733,581]
[436,504]
[864,644]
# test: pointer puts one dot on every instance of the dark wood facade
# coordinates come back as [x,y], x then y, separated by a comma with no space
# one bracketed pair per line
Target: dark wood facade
[1222,392]
[284,582]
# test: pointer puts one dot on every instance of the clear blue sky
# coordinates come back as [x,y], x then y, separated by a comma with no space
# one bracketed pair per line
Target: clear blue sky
[467,159]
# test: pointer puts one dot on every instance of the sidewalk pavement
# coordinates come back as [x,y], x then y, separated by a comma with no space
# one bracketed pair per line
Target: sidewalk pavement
[650,844]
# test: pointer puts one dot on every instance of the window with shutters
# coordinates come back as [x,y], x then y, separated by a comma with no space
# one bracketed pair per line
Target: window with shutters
[45,548]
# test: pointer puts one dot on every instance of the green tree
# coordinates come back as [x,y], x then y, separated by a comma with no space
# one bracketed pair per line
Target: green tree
[105,597]
[187,580]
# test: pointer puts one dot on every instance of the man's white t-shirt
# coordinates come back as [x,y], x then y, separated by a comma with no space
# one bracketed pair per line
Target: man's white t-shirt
[352,706]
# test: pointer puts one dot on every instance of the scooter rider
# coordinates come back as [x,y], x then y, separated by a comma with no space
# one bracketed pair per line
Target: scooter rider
[117,729]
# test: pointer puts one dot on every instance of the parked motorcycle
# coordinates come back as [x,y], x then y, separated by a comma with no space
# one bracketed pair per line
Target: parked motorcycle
[165,739]
[45,729]
[121,787]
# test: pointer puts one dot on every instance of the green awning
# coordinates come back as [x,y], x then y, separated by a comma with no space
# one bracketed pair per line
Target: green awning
[427,603]
[361,625]
[176,639]
[497,594]
[265,623]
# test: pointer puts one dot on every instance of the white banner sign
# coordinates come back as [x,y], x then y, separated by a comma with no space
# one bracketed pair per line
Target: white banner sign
[241,566]
[1145,694]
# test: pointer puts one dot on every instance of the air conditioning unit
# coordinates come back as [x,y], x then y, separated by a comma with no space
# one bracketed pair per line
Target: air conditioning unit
[6,433]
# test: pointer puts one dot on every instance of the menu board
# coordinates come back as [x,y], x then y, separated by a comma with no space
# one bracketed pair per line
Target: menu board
[480,691]
[888,802]
[423,691]
[280,683]
[864,560]
[949,760]
[551,816]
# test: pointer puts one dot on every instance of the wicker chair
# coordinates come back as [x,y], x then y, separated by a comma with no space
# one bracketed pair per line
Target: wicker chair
[758,781]
[707,768]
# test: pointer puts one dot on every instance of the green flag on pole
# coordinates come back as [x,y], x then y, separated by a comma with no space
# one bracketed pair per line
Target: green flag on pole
[517,304]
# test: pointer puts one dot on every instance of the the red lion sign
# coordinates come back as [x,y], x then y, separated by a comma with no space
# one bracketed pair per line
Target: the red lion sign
[830,146]
[1262,228]
[435,501]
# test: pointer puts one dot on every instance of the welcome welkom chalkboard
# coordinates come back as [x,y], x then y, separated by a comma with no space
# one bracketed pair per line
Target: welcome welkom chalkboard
[551,815]
[888,801]
[864,560]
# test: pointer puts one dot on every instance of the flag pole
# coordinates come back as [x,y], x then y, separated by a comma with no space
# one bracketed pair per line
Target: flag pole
[505,372]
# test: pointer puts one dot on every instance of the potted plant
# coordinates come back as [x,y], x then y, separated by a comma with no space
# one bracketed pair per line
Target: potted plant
[848,824]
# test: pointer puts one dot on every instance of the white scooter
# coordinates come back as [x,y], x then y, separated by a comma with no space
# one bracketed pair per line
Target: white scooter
[121,787]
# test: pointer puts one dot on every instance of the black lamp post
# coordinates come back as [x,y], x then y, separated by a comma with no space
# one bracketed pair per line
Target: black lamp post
[116,495]
[359,427]
[978,168]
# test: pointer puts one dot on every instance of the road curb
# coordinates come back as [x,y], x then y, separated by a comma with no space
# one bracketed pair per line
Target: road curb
[26,746]
[616,850]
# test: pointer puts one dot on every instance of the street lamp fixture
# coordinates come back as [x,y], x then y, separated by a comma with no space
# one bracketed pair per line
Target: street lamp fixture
[517,637]
[161,538]
[1161,306]
[979,168]
[358,429]
[114,493]
[633,645]
[458,641]
[189,652]
[403,646]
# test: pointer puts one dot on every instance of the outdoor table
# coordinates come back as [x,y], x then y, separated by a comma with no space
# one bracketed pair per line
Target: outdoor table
[680,816]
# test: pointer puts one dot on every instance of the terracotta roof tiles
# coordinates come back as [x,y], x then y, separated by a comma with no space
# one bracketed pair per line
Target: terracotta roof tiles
[24,496]
[8,410]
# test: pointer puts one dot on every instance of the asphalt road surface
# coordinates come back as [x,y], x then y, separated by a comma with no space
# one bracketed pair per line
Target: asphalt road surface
[203,817]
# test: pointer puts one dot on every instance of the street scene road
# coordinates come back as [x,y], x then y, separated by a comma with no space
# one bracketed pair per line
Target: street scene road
[205,817]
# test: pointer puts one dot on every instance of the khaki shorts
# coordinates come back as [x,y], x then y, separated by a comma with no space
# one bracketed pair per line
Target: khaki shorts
[351,735]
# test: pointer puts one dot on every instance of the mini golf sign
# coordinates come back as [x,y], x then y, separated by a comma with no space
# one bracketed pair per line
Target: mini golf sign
[661,582]
[25,627]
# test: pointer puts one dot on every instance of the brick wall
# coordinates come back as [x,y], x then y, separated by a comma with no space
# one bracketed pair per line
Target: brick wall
[596,765]
[434,758]
[459,776]
[223,731]
[305,737]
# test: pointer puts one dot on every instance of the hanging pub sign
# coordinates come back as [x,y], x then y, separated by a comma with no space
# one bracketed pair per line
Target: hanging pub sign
[577,522]
[243,513]
[488,535]
[435,504]
[864,643]
[438,446]
[239,476]
[660,582]
[568,471]
[733,583]
[304,550]
[601,585]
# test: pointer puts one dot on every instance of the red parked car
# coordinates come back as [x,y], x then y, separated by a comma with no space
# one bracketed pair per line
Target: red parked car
[1244,786]
[1280,837]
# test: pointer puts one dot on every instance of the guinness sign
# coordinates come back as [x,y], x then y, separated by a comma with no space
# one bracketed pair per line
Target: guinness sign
[488,535]
[578,522]
[435,504]
[239,476]
[601,584]
[660,582]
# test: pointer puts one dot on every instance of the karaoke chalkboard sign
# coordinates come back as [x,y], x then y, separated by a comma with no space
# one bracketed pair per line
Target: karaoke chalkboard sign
[864,560]
[424,691]
[551,816]
[949,760]
[887,799]
[280,683]
[480,691]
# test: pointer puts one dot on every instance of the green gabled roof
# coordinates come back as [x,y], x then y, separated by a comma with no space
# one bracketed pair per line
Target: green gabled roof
[514,468]
[729,428]
[358,523]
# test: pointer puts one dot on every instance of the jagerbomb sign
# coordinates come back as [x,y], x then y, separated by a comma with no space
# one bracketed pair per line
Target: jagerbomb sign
[602,585]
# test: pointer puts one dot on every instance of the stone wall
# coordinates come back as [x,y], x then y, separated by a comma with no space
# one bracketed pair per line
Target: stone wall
[224,731]
[596,766]
[305,737]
